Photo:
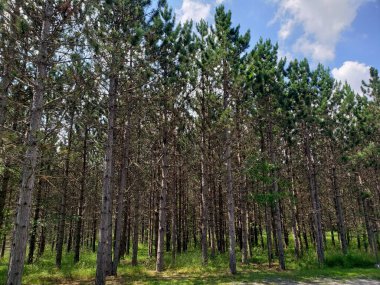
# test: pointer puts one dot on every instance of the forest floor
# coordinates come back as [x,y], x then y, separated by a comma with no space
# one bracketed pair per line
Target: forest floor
[356,268]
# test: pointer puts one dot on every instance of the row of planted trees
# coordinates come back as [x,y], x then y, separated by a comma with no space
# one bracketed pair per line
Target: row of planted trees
[175,136]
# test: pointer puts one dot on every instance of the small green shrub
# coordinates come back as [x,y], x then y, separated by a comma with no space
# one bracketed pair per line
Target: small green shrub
[350,260]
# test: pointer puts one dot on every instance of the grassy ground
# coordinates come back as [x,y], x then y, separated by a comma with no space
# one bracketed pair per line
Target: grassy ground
[187,269]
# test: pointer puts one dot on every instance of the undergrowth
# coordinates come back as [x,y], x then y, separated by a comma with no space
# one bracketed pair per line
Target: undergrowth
[187,268]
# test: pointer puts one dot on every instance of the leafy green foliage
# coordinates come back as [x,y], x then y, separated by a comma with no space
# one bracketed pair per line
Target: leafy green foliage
[350,260]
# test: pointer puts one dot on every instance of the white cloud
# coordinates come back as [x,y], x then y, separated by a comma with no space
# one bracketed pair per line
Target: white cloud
[286,29]
[218,2]
[353,72]
[193,10]
[322,23]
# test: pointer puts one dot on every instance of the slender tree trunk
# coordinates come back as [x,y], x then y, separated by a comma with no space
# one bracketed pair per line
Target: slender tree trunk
[272,154]
[33,237]
[367,220]
[162,201]
[21,225]
[136,194]
[62,212]
[123,241]
[313,186]
[338,207]
[3,245]
[136,220]
[268,231]
[94,222]
[243,194]
[70,237]
[151,219]
[231,207]
[104,254]
[8,60]
[213,213]
[3,192]
[204,205]
[221,218]
[204,177]
[120,201]
[79,222]
[174,207]
[42,241]
[293,204]
[228,161]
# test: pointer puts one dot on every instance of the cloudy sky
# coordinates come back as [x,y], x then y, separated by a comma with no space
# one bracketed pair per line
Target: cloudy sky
[342,34]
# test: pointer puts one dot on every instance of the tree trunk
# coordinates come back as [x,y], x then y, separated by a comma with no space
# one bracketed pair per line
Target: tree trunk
[163,197]
[33,237]
[120,201]
[367,220]
[94,222]
[104,254]
[42,241]
[228,161]
[21,225]
[8,60]
[242,184]
[3,192]
[79,222]
[277,212]
[313,186]
[338,206]
[150,226]
[204,176]
[70,237]
[136,220]
[62,212]
[268,231]
[174,209]
[136,194]
[204,205]
[3,245]
[293,204]
[212,215]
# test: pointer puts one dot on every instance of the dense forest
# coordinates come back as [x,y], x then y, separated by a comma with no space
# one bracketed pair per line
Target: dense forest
[121,127]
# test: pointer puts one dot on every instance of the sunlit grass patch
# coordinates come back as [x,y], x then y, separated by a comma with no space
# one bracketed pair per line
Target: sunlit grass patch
[188,269]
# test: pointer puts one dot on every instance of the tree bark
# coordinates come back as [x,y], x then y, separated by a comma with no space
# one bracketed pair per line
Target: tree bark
[338,206]
[136,220]
[62,212]
[3,192]
[281,254]
[243,194]
[204,205]
[21,225]
[120,200]
[162,201]
[174,208]
[268,231]
[33,237]
[229,182]
[79,222]
[8,61]
[313,187]
[104,254]
[293,204]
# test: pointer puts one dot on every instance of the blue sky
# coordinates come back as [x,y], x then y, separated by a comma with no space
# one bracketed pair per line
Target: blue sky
[341,34]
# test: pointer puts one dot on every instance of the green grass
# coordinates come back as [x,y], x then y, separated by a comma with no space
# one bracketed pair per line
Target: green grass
[188,270]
